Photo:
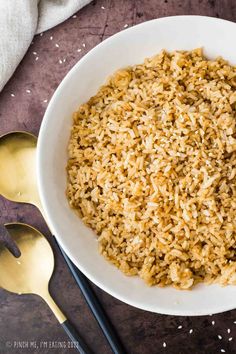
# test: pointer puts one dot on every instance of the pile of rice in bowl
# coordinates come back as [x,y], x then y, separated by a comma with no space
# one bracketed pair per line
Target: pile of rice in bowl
[152,169]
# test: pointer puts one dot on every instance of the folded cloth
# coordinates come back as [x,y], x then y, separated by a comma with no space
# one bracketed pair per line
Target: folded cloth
[20,20]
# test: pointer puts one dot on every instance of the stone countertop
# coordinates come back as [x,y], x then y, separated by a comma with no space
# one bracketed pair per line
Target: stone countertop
[25,319]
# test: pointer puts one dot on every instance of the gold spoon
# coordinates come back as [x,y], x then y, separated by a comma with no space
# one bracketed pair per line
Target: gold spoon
[18,183]
[31,272]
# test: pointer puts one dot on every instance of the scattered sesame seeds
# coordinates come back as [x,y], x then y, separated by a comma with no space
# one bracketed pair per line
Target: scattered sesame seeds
[34,53]
[45,101]
[37,58]
[74,16]
[213,323]
[191,331]
[231,338]
[83,45]
[12,95]
[79,50]
[57,45]
[60,61]
[219,336]
[51,38]
[28,91]
[228,330]
[164,344]
[222,351]
[126,25]
[102,7]
[179,327]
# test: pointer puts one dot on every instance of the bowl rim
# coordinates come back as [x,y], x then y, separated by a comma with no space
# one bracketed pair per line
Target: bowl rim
[42,194]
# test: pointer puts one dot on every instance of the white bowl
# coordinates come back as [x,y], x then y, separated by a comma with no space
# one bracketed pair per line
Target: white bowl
[79,242]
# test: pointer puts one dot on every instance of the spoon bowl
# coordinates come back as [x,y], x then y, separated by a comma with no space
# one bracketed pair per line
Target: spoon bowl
[31,272]
[18,180]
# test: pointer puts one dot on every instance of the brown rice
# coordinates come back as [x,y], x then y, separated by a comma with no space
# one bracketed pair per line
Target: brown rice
[152,166]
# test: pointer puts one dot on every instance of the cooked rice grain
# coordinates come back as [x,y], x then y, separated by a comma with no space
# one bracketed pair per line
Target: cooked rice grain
[152,166]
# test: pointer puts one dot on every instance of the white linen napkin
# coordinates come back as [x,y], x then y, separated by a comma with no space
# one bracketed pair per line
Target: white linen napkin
[20,20]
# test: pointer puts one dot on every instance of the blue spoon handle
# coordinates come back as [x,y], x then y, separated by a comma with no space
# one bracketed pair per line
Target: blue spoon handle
[78,342]
[95,306]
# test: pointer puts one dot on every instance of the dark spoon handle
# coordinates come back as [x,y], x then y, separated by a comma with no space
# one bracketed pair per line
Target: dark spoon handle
[78,342]
[95,306]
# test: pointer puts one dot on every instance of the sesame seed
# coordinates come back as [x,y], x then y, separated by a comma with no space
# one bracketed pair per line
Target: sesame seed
[74,16]
[79,50]
[12,95]
[45,101]
[179,327]
[222,351]
[41,34]
[219,336]
[102,7]
[234,322]
[34,53]
[164,344]
[191,331]
[28,91]
[126,25]
[51,38]
[57,45]
[64,60]
[60,61]
[37,58]
[83,45]
[213,323]
[228,330]
[231,338]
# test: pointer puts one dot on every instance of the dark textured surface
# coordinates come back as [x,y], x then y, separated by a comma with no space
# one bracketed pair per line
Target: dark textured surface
[27,318]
